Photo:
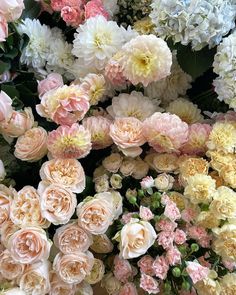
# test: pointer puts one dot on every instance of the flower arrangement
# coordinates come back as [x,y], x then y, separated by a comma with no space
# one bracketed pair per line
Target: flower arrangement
[117,147]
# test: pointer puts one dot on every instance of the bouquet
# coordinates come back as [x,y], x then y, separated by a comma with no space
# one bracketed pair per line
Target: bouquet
[117,147]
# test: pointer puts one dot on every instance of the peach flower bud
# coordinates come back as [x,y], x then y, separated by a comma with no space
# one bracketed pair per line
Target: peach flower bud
[101,244]
[6,195]
[5,107]
[113,162]
[111,284]
[57,203]
[71,238]
[35,280]
[32,146]
[101,184]
[53,81]
[12,9]
[7,230]
[19,123]
[96,273]
[3,28]
[9,268]
[73,268]
[29,245]
[58,287]
[67,173]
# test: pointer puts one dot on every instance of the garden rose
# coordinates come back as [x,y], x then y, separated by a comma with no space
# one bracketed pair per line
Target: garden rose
[58,287]
[5,107]
[3,28]
[12,9]
[9,268]
[96,273]
[6,194]
[113,162]
[53,81]
[111,284]
[101,244]
[145,264]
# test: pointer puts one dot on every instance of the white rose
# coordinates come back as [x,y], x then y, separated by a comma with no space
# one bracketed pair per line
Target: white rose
[2,171]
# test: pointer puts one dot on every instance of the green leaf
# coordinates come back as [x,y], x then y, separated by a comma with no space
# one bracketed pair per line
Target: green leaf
[12,54]
[10,90]
[32,9]
[4,66]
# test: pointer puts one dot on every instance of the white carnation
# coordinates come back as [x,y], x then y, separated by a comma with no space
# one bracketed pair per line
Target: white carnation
[199,22]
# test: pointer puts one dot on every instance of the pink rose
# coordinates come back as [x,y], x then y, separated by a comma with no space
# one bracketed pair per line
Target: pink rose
[95,7]
[128,289]
[6,195]
[147,182]
[160,267]
[5,107]
[166,225]
[59,287]
[73,16]
[9,268]
[145,213]
[3,28]
[149,284]
[53,81]
[196,271]
[12,9]
[180,237]
[165,239]
[145,265]
[122,269]
[173,256]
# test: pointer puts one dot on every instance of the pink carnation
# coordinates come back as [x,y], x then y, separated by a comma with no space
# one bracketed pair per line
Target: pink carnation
[196,271]
[173,256]
[126,217]
[166,225]
[171,211]
[180,237]
[147,182]
[148,284]
[69,142]
[73,16]
[145,265]
[128,289]
[189,214]
[145,213]
[57,5]
[230,265]
[198,136]
[122,269]
[200,234]
[95,7]
[160,267]
[164,132]
[165,239]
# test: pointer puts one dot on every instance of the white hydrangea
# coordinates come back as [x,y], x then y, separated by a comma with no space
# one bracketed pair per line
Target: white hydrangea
[199,22]
[97,40]
[171,87]
[225,66]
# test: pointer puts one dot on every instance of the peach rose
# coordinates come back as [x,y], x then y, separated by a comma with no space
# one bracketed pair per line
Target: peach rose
[7,230]
[113,162]
[101,244]
[6,195]
[71,238]
[5,107]
[12,9]
[9,268]
[95,215]
[96,273]
[73,268]
[136,238]
[19,123]
[58,287]
[25,209]
[140,169]
[127,135]
[57,203]
[32,146]
[53,81]
[67,173]
[35,280]
[3,28]
[29,245]
[115,199]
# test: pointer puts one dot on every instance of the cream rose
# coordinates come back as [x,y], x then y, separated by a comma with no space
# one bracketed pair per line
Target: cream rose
[6,196]
[58,287]
[71,238]
[73,268]
[101,244]
[136,238]
[67,173]
[25,209]
[95,215]
[96,273]
[7,230]
[112,163]
[12,9]
[115,199]
[35,280]
[111,284]
[32,146]
[9,268]
[57,204]
[29,245]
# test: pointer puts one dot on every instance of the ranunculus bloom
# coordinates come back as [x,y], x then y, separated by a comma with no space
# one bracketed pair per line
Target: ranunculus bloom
[6,195]
[96,273]
[29,245]
[113,162]
[73,268]
[64,105]
[53,81]
[196,271]
[69,142]
[160,267]
[166,133]
[149,284]
[128,289]
[5,107]
[99,128]
[73,16]
[67,173]
[18,124]
[122,269]
[145,265]
[57,203]
[71,238]
[12,9]
[127,135]
[136,239]
[32,146]
[9,268]
[3,28]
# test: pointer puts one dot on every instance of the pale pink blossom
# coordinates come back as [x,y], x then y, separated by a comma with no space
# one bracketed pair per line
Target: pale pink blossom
[53,81]
[126,217]
[147,182]
[199,234]
[173,256]
[145,213]
[230,265]
[95,7]
[114,72]
[228,116]
[57,5]
[196,271]
[122,269]
[172,211]
[69,142]
[12,9]
[128,289]
[160,267]
[73,16]
[180,237]
[3,28]
[5,107]
[145,265]
[164,132]
[189,214]
[166,225]
[149,284]
[165,239]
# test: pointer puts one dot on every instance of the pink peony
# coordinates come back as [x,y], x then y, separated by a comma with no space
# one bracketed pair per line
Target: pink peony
[164,132]
[165,239]
[165,225]
[145,265]
[3,28]
[198,136]
[149,284]
[53,81]
[93,8]
[160,267]
[196,271]
[173,256]
[145,213]
[69,142]
[171,211]
[73,16]
[128,289]
[5,107]
[180,237]
[122,269]
[147,182]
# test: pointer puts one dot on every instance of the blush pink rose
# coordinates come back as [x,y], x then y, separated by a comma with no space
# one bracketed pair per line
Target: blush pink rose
[149,284]
[165,239]
[166,225]
[95,7]
[128,289]
[9,268]
[3,28]
[145,213]
[5,107]
[122,269]
[6,195]
[173,256]
[53,81]
[180,237]
[147,182]
[196,271]
[73,16]
[12,9]
[160,267]
[145,265]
